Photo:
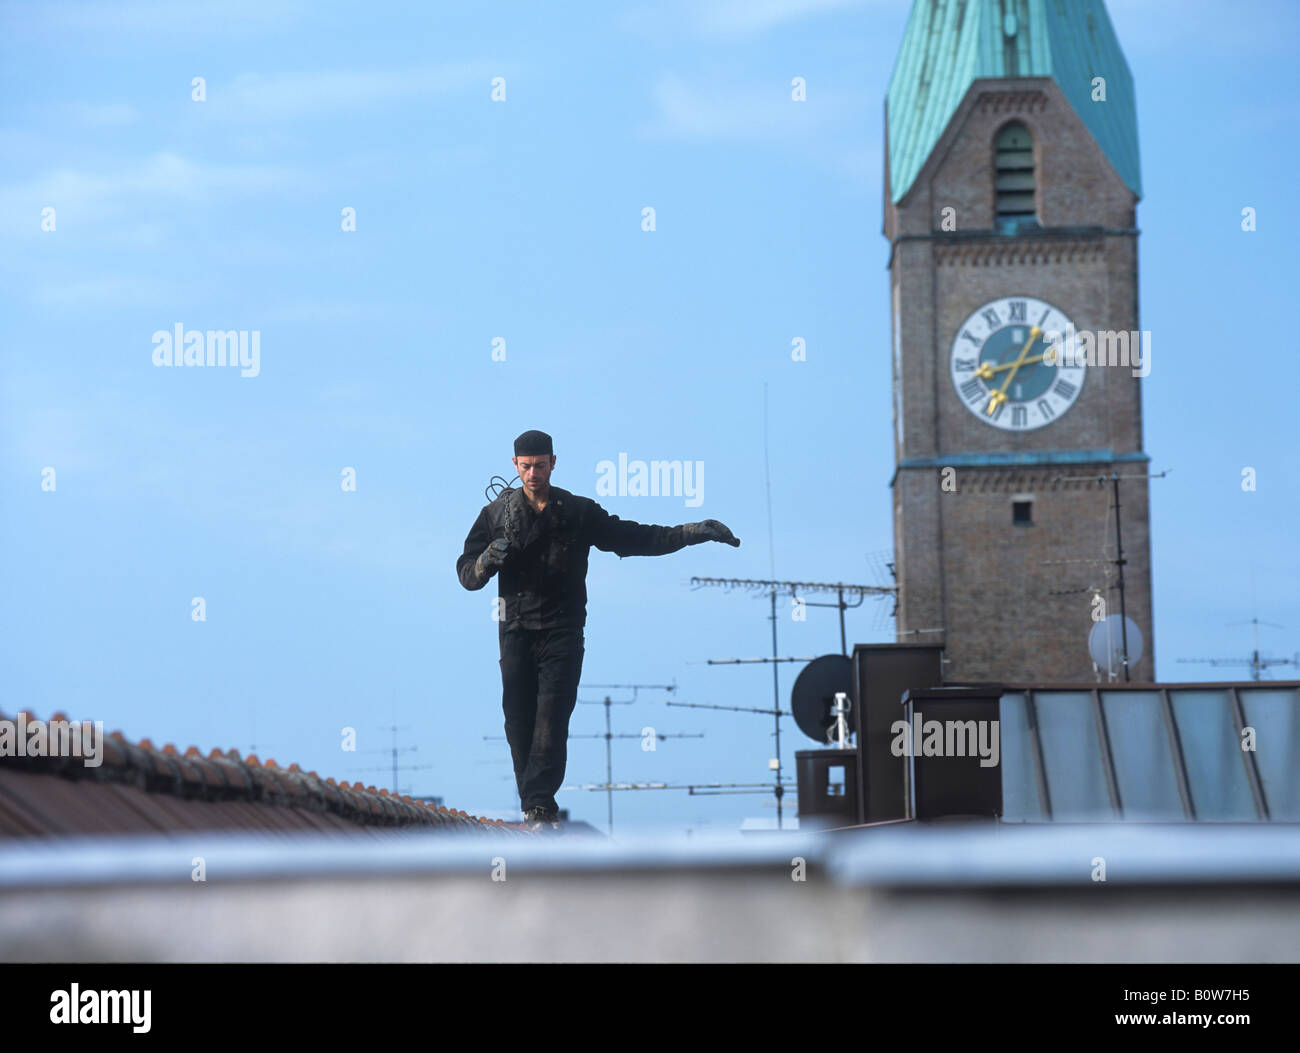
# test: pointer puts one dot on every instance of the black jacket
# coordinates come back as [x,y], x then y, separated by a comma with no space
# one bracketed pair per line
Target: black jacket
[543,581]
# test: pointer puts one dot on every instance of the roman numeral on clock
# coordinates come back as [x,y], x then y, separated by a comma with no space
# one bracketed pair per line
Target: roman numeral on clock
[1017,308]
[1064,388]
[972,390]
[991,318]
[965,365]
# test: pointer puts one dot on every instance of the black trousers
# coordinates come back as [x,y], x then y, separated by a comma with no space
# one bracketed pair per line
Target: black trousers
[540,669]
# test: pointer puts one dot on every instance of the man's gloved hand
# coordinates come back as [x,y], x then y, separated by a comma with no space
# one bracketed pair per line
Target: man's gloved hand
[492,557]
[710,530]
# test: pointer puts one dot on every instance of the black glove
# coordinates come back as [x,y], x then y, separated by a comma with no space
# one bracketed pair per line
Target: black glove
[710,530]
[491,558]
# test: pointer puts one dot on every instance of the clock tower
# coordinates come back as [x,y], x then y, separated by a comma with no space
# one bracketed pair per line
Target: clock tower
[1011,184]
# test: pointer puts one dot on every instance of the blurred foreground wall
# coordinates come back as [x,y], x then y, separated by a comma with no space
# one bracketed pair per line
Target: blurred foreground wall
[907,893]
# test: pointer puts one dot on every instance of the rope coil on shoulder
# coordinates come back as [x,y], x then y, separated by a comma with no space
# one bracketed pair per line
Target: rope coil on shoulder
[497,487]
[494,489]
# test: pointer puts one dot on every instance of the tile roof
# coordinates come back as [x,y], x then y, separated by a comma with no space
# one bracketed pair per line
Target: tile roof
[139,788]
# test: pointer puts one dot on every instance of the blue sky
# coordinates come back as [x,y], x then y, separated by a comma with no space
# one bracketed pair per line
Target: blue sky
[521,220]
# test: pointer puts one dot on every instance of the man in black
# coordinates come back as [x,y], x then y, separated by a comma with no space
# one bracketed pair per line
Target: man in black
[538,537]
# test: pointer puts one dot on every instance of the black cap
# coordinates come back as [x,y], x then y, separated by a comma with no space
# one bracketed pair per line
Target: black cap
[533,443]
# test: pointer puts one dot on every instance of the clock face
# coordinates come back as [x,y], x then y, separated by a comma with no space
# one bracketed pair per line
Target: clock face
[997,365]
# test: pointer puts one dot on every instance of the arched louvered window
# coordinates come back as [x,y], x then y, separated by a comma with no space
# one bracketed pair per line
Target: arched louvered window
[1014,167]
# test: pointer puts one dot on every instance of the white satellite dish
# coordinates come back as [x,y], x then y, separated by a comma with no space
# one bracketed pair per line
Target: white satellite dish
[1106,644]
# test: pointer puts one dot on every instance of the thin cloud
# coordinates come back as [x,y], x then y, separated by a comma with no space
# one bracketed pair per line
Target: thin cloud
[728,19]
[758,113]
[1162,26]
[746,17]
[88,198]
[277,96]
[329,311]
[94,114]
[156,18]
[107,291]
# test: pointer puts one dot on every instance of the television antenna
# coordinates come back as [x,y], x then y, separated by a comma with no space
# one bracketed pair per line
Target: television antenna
[1127,658]
[609,735]
[794,588]
[1256,663]
[394,751]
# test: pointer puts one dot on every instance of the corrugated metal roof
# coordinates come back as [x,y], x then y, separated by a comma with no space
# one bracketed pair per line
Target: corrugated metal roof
[138,788]
[948,44]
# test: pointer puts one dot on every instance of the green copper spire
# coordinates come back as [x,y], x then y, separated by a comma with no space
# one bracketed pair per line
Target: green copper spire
[950,43]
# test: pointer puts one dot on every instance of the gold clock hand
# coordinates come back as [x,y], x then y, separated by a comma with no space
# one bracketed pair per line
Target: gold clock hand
[985,371]
[1000,396]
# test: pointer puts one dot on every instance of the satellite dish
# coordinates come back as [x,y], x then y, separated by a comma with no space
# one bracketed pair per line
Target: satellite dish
[1106,644]
[812,700]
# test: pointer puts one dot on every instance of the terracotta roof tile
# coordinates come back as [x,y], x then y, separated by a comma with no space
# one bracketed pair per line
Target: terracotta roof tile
[139,788]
